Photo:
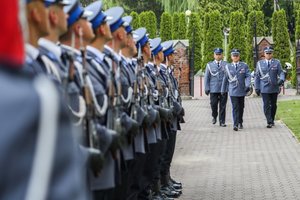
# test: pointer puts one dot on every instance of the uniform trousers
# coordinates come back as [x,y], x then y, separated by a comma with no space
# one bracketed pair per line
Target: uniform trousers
[135,174]
[270,106]
[238,104]
[103,194]
[218,100]
[168,155]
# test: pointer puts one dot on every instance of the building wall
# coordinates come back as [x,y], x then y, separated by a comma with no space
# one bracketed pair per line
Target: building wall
[182,60]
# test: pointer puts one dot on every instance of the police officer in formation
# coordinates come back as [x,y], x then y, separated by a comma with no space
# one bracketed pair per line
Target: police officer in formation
[237,82]
[214,74]
[268,78]
[100,102]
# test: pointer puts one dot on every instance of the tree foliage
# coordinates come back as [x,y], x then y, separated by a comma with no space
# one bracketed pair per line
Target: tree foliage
[280,37]
[237,35]
[214,36]
[148,20]
[194,36]
[135,20]
[182,26]
[166,27]
[254,18]
[152,24]
[175,27]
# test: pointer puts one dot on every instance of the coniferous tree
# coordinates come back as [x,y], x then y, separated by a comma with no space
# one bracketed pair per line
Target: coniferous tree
[182,26]
[213,37]
[135,20]
[280,37]
[166,27]
[152,24]
[194,35]
[175,27]
[237,36]
[258,17]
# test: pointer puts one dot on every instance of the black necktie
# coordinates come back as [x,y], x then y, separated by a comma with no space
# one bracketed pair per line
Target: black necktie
[235,66]
[268,64]
[218,63]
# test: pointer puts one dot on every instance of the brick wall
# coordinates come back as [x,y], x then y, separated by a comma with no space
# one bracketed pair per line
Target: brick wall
[182,60]
[261,47]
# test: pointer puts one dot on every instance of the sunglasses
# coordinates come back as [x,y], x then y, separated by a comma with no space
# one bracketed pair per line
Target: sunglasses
[268,53]
[218,54]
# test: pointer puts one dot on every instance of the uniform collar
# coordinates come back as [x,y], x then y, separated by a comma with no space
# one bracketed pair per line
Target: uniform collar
[269,60]
[31,51]
[151,63]
[113,52]
[96,52]
[50,46]
[163,66]
[76,51]
[218,61]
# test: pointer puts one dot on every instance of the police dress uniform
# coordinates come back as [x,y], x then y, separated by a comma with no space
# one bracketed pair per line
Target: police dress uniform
[214,74]
[237,81]
[102,185]
[268,78]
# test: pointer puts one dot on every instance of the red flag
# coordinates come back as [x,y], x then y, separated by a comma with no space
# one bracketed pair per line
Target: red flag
[11,38]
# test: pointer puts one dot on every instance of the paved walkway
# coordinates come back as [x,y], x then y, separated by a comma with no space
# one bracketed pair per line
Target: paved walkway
[216,163]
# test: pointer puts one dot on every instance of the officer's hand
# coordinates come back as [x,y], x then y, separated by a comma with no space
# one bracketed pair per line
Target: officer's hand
[207,92]
[134,130]
[257,91]
[96,161]
[247,89]
[280,82]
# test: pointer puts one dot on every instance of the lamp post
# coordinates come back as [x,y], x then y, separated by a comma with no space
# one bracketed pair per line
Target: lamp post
[192,52]
[226,34]
[298,66]
[256,56]
[188,14]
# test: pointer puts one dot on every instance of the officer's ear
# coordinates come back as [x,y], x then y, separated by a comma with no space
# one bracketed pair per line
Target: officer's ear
[53,16]
[77,29]
[34,13]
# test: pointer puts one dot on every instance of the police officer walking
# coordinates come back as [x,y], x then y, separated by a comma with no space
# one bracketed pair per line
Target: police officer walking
[237,81]
[268,78]
[214,74]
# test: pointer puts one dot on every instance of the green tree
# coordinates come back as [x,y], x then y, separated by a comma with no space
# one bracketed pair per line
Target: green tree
[194,36]
[214,36]
[135,20]
[256,17]
[166,27]
[152,24]
[182,26]
[280,37]
[144,20]
[237,33]
[175,27]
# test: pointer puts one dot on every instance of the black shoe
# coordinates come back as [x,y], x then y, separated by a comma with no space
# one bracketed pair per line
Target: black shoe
[269,125]
[169,192]
[241,126]
[235,128]
[214,120]
[272,123]
[175,185]
[223,125]
[175,182]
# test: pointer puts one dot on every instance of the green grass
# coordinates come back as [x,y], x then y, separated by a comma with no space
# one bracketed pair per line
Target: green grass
[289,113]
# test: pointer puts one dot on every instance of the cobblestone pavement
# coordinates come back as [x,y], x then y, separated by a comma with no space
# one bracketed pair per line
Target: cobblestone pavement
[215,163]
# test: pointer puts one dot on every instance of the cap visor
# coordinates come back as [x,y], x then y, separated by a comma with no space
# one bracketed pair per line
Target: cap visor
[87,13]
